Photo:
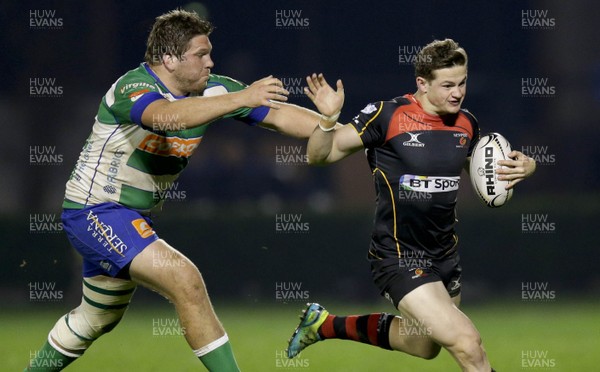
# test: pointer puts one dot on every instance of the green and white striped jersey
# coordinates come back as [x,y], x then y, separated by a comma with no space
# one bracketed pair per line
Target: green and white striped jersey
[130,164]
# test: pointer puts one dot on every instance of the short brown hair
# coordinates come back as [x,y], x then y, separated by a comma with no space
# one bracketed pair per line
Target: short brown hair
[172,32]
[437,55]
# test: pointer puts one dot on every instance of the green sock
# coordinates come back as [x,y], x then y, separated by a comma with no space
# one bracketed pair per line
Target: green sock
[220,359]
[48,359]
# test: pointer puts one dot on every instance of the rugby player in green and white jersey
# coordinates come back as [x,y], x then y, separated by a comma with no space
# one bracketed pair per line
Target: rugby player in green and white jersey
[148,125]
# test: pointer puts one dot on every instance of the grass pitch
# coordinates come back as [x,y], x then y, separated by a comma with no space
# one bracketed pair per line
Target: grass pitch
[556,336]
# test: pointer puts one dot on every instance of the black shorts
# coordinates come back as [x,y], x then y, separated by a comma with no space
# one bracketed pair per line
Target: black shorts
[396,277]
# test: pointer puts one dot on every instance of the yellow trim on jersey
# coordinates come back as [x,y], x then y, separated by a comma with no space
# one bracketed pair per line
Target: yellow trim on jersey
[393,210]
[373,118]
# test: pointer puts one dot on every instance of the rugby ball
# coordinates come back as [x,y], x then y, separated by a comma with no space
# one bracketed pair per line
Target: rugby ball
[488,150]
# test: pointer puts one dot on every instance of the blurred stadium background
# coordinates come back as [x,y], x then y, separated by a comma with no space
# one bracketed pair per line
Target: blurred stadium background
[534,76]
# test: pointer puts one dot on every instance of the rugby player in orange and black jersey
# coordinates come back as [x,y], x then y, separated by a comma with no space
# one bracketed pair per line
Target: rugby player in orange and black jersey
[416,160]
[416,146]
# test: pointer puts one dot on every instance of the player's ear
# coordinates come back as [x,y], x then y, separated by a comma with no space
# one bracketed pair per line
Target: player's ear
[168,61]
[422,84]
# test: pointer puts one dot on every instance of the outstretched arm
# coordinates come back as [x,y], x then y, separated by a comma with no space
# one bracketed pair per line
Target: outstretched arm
[195,111]
[330,141]
[291,120]
[520,167]
[300,122]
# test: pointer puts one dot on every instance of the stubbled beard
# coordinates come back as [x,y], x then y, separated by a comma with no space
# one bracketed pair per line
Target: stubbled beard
[190,86]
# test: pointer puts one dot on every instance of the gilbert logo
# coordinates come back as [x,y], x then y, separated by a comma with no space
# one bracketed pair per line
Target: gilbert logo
[143,228]
[169,146]
[414,140]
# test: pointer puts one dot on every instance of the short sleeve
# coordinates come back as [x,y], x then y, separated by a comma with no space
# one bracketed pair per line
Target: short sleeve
[127,99]
[218,85]
[369,125]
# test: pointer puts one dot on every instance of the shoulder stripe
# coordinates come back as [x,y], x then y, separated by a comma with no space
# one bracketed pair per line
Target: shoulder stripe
[371,120]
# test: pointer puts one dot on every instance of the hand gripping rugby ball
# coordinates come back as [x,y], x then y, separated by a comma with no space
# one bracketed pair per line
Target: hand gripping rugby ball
[484,161]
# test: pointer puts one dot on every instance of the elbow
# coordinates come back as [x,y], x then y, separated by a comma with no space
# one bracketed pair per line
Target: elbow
[316,161]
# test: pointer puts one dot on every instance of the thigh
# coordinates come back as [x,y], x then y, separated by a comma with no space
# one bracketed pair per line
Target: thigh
[395,278]
[164,269]
[108,236]
[432,308]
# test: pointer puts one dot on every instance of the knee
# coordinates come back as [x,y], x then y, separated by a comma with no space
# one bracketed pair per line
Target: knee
[468,348]
[187,283]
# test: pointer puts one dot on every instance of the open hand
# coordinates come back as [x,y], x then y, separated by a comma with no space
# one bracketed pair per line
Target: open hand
[327,101]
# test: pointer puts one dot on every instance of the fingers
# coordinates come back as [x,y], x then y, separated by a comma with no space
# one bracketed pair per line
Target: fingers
[512,183]
[340,85]
[515,170]
[317,82]
[268,91]
[313,86]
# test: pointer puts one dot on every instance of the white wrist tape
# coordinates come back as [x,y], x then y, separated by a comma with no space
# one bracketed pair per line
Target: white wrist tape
[332,118]
[329,119]
[326,129]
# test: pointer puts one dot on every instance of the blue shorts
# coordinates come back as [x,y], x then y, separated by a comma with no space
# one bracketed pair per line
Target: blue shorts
[108,236]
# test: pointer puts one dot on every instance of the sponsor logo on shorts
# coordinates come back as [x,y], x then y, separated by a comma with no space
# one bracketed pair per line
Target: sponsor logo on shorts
[454,285]
[429,183]
[169,146]
[105,265]
[105,235]
[143,228]
[414,260]
[419,273]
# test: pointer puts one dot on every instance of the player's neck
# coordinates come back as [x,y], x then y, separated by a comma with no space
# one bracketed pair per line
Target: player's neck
[425,104]
[167,79]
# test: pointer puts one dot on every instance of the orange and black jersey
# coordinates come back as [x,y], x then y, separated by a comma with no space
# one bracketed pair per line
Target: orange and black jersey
[416,160]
